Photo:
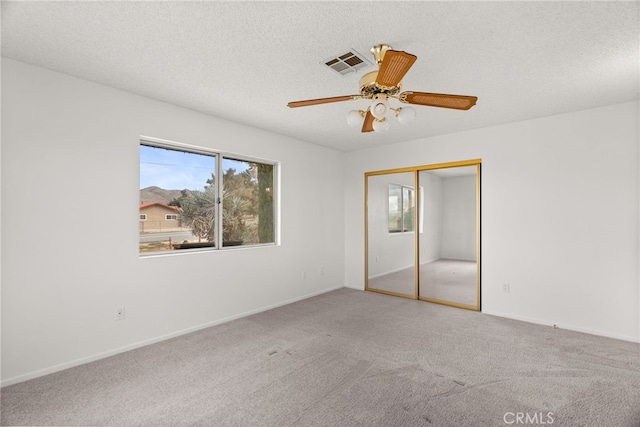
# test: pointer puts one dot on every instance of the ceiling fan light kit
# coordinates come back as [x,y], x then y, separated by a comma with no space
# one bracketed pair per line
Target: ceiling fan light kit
[381,112]
[385,83]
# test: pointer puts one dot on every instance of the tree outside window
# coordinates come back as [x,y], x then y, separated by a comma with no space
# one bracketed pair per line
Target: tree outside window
[242,199]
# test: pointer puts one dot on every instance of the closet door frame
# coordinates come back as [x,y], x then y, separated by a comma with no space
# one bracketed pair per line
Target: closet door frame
[416,266]
[416,244]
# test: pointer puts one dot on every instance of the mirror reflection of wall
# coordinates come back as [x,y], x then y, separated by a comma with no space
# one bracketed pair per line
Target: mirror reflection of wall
[448,248]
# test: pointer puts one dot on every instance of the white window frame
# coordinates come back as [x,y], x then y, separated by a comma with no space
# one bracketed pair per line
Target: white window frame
[174,217]
[402,230]
[219,155]
[143,217]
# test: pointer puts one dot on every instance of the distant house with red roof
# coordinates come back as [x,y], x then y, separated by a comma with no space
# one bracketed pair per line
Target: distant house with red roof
[156,217]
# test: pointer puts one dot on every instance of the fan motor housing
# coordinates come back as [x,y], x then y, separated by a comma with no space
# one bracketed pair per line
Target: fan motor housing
[369,87]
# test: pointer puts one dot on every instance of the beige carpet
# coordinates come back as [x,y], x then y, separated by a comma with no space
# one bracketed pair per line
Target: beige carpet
[348,358]
[449,280]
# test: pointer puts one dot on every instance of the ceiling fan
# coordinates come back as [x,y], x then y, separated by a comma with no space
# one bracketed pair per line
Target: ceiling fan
[384,84]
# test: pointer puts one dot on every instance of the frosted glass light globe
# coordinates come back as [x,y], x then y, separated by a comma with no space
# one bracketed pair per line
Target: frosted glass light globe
[380,126]
[406,115]
[354,118]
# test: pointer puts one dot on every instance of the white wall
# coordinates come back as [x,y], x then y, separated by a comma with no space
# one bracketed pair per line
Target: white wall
[70,225]
[560,215]
[459,217]
[388,252]
[431,216]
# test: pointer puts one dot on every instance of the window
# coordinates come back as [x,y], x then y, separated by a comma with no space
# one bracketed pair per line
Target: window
[402,206]
[143,217]
[194,198]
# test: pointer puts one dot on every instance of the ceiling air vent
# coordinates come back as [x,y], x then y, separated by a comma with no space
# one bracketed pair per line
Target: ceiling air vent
[350,62]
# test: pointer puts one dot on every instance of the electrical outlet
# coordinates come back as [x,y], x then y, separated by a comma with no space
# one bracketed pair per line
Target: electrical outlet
[506,287]
[321,271]
[304,274]
[120,313]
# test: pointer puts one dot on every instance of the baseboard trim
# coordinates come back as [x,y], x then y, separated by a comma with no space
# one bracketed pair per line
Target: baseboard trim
[83,360]
[563,326]
[391,271]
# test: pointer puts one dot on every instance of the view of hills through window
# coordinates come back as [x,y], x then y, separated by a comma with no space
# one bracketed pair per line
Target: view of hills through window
[184,205]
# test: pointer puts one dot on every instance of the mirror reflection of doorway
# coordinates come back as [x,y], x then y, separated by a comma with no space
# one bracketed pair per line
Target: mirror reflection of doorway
[422,233]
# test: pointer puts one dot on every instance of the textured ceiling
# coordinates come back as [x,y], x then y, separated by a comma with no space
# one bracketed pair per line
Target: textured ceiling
[244,61]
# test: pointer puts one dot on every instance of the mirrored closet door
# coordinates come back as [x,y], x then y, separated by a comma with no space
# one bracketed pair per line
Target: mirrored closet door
[391,233]
[449,243]
[423,233]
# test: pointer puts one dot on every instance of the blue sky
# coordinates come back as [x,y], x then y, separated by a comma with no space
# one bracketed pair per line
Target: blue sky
[177,170]
[174,170]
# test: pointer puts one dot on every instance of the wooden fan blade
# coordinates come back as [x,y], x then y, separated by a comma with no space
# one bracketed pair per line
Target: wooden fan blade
[457,102]
[367,126]
[321,101]
[395,65]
